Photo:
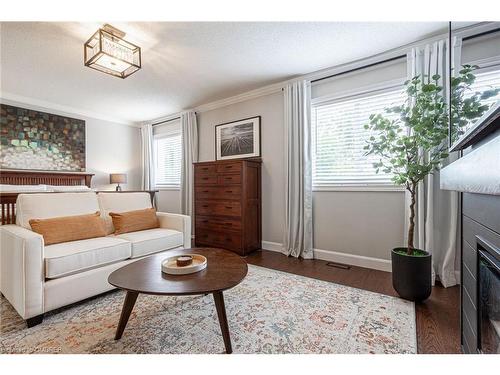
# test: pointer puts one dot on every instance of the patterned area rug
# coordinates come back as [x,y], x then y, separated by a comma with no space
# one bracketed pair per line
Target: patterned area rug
[269,312]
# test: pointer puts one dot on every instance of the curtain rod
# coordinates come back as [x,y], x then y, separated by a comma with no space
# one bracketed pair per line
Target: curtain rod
[170,119]
[360,68]
[396,58]
[481,34]
[165,121]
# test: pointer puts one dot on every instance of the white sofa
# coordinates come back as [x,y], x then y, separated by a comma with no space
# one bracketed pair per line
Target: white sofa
[36,279]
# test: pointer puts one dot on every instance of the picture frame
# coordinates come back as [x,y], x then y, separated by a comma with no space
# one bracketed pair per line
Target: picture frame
[238,139]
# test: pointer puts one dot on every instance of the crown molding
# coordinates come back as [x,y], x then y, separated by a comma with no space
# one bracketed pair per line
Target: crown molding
[338,69]
[253,94]
[475,29]
[162,119]
[262,91]
[276,87]
[13,99]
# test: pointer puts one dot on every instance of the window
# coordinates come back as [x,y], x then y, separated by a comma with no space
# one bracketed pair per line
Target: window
[487,80]
[339,137]
[167,158]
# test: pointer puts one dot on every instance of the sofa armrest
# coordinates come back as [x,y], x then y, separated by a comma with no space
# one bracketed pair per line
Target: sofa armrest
[22,269]
[182,223]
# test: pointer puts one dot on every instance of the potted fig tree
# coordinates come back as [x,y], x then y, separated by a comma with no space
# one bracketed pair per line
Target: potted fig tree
[411,142]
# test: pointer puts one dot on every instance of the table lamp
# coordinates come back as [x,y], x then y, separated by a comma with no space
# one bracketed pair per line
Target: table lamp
[118,178]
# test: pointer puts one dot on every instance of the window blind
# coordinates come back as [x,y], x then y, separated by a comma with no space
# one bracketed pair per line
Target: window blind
[339,137]
[168,154]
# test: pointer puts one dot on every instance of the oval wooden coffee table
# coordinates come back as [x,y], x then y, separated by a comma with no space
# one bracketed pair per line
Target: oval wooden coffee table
[224,271]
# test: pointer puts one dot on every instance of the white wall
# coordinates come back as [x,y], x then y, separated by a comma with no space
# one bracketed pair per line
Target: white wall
[113,148]
[361,223]
[368,224]
[110,148]
[169,201]
[270,108]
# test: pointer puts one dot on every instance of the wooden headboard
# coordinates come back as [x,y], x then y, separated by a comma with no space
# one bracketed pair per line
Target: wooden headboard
[11,177]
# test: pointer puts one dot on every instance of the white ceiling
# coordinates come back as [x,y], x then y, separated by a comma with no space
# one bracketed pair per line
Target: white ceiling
[184,64]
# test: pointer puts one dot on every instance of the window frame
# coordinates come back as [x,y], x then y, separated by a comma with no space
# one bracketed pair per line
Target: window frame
[345,95]
[156,137]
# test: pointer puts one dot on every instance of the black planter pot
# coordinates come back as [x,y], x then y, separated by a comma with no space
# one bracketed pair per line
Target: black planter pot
[411,275]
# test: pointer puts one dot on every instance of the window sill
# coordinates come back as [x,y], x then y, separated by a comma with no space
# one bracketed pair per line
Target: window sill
[168,188]
[386,188]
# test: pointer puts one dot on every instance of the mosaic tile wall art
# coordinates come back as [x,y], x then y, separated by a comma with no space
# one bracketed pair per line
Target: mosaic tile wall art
[40,141]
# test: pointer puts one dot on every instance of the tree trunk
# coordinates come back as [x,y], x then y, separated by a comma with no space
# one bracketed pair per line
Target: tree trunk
[411,228]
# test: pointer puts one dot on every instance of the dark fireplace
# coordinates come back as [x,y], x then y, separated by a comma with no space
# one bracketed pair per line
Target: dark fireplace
[488,297]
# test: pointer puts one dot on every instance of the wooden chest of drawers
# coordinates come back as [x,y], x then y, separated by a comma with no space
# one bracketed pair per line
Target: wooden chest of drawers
[227,197]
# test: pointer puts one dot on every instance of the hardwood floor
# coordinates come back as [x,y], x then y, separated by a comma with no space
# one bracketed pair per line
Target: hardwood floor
[438,327]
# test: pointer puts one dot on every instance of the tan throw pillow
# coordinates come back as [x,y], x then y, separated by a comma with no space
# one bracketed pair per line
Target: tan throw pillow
[69,228]
[133,221]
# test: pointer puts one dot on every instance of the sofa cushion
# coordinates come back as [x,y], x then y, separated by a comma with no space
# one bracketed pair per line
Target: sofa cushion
[133,221]
[152,240]
[77,256]
[121,202]
[48,205]
[69,228]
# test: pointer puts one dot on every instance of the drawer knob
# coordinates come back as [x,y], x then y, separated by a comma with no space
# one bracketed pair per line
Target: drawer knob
[205,178]
[205,205]
[229,207]
[205,191]
[229,191]
[229,166]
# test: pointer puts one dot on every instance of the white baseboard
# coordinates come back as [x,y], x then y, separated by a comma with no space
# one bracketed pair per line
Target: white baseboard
[344,258]
[353,260]
[273,246]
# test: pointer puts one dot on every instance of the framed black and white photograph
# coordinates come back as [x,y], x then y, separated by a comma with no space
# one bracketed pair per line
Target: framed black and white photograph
[238,139]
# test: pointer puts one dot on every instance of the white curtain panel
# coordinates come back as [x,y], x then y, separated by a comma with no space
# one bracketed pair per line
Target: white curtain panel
[437,223]
[148,172]
[189,130]
[298,237]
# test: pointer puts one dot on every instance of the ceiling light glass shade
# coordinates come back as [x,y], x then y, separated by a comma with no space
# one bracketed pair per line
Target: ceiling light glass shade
[108,52]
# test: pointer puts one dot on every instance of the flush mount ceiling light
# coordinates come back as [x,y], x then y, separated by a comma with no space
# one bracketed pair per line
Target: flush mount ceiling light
[108,52]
